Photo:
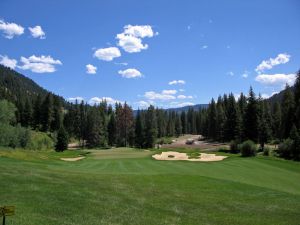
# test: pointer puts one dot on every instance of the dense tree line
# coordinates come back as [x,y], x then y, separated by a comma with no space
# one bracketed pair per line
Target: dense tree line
[252,118]
[227,119]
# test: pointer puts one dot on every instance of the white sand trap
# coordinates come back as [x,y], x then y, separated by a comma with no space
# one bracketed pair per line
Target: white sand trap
[72,159]
[204,157]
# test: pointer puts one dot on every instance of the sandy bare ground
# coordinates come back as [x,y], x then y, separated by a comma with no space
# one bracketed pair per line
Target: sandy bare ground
[180,142]
[204,157]
[72,159]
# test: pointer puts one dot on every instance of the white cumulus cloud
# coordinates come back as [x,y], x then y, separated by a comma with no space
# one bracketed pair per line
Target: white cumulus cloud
[151,95]
[276,79]
[169,92]
[143,104]
[270,63]
[230,73]
[39,64]
[182,104]
[37,32]
[245,74]
[11,63]
[74,99]
[173,82]
[107,54]
[139,31]
[130,73]
[109,100]
[11,29]
[131,38]
[184,97]
[90,69]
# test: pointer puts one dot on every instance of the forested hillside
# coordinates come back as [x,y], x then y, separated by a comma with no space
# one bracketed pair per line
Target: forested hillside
[103,125]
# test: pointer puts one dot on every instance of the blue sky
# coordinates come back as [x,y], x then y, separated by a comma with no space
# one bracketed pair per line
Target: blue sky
[139,47]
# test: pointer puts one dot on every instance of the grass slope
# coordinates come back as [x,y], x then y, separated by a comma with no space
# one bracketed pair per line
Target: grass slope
[126,186]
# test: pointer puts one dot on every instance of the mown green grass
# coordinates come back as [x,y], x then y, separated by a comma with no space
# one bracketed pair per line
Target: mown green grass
[126,186]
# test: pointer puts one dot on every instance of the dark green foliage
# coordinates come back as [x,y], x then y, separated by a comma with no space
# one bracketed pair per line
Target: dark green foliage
[139,131]
[297,100]
[265,123]
[111,128]
[276,120]
[95,137]
[266,151]
[62,140]
[7,112]
[295,148]
[212,117]
[248,148]
[232,123]
[150,128]
[178,126]
[47,113]
[285,148]
[40,141]
[251,119]
[183,122]
[125,125]
[234,147]
[287,112]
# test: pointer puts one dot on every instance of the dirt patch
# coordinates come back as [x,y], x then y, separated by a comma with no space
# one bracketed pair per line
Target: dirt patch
[193,141]
[204,157]
[72,159]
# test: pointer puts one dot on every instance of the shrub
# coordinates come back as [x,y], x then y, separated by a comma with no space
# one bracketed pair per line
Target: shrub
[40,141]
[190,141]
[224,149]
[234,147]
[248,148]
[164,140]
[266,151]
[285,148]
[14,136]
[62,140]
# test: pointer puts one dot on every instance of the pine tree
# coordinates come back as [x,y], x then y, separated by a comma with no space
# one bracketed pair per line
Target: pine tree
[139,131]
[297,100]
[232,124]
[212,117]
[125,125]
[295,149]
[221,119]
[178,126]
[170,125]
[150,127]
[94,128]
[287,112]
[184,122]
[57,115]
[47,113]
[251,118]
[62,140]
[111,127]
[264,128]
[37,112]
[276,118]
[27,113]
[161,123]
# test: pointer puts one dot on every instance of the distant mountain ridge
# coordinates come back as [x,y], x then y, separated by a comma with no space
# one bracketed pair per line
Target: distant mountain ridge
[186,108]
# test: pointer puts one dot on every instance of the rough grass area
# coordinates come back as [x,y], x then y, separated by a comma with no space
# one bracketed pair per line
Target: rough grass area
[126,186]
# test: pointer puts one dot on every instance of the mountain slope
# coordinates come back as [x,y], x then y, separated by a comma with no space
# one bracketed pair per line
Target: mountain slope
[15,86]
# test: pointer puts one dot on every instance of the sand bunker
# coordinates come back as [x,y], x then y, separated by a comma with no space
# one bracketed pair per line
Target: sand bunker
[204,157]
[72,159]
